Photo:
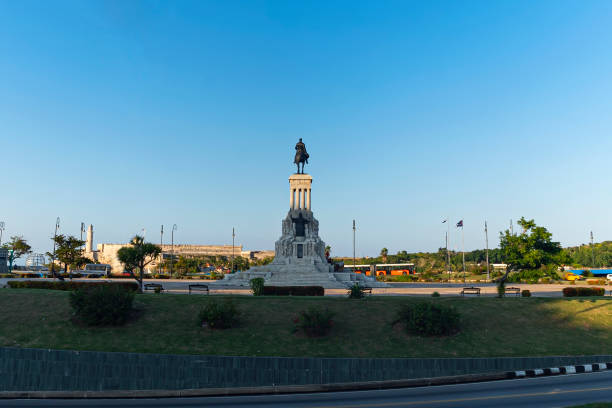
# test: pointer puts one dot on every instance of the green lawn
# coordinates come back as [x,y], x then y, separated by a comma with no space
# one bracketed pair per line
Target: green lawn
[491,327]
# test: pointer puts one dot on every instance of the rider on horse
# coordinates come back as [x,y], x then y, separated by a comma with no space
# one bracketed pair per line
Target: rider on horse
[301,156]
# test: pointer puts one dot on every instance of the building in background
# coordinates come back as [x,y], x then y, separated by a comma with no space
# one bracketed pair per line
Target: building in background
[107,253]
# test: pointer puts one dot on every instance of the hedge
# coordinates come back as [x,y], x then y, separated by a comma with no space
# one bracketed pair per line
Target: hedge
[69,285]
[580,291]
[293,291]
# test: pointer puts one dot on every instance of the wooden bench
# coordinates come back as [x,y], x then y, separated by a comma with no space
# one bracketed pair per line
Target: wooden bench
[153,287]
[514,291]
[367,289]
[199,288]
[470,291]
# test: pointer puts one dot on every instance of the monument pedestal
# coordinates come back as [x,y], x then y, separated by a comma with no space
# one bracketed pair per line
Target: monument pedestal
[299,258]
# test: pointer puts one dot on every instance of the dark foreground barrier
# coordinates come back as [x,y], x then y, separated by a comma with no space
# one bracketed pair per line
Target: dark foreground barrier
[43,370]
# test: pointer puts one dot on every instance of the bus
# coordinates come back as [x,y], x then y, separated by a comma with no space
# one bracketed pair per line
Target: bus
[96,270]
[397,269]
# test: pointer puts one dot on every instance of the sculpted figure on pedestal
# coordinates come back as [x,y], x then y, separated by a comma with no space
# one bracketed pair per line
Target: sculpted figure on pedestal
[301,156]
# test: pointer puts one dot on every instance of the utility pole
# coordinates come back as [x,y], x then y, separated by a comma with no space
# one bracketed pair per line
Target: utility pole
[511,228]
[82,230]
[487,246]
[354,245]
[448,264]
[161,246]
[1,230]
[172,256]
[57,224]
[233,237]
[592,252]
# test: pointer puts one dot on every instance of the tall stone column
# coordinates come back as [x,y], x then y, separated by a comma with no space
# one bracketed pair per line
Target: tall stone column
[300,187]
[303,191]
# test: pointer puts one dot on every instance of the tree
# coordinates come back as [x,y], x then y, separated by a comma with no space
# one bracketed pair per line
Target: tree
[69,251]
[383,253]
[531,249]
[17,247]
[138,255]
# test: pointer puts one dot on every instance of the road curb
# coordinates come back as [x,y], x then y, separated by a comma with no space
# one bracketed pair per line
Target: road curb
[304,389]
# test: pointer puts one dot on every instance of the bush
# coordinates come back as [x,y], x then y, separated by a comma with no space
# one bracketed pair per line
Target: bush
[356,292]
[102,305]
[580,291]
[429,319]
[257,286]
[314,322]
[596,281]
[219,315]
[525,293]
[293,291]
[435,294]
[587,274]
[70,285]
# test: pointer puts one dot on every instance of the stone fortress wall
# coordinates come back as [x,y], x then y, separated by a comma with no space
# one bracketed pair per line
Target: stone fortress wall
[107,253]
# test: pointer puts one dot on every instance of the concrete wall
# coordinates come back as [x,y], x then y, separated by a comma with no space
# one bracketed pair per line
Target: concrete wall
[45,370]
[107,253]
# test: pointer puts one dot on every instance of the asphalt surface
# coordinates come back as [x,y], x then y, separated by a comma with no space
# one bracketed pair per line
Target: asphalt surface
[178,286]
[558,391]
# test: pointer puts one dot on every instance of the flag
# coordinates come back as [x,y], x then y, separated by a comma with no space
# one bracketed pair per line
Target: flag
[460,224]
[444,221]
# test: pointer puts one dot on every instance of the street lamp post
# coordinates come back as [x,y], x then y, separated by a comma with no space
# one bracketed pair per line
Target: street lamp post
[233,238]
[161,246]
[487,246]
[57,224]
[172,255]
[1,230]
[354,245]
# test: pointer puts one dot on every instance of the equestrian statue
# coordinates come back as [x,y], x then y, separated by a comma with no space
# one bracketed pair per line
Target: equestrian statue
[301,156]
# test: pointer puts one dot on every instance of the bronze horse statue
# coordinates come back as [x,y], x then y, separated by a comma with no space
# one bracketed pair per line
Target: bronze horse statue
[301,156]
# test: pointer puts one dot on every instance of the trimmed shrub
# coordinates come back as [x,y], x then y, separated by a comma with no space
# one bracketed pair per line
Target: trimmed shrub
[257,286]
[69,285]
[435,294]
[429,319]
[219,315]
[356,292]
[102,305]
[315,322]
[293,291]
[525,293]
[580,291]
[596,281]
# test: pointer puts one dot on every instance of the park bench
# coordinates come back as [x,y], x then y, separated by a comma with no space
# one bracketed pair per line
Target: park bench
[199,288]
[470,291]
[367,289]
[514,291]
[153,287]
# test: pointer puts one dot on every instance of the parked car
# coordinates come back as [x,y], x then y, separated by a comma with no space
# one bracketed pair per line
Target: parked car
[609,277]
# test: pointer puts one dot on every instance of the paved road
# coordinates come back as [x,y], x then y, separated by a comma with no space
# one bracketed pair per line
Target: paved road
[561,391]
[179,286]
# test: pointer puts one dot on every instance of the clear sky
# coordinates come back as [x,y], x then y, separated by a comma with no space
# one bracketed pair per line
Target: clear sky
[128,115]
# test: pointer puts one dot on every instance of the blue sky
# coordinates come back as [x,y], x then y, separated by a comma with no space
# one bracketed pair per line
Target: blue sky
[129,115]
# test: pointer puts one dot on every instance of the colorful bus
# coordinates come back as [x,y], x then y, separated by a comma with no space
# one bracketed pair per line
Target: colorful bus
[384,269]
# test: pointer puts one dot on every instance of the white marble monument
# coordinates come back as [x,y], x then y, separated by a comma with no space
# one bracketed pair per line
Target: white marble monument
[299,258]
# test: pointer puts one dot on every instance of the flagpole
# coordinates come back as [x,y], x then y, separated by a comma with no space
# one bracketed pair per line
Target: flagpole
[463,251]
[487,246]
[450,266]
